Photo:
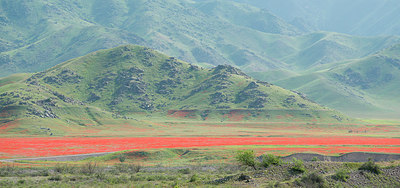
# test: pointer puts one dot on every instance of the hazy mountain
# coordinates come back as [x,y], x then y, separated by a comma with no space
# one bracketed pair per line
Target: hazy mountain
[367,87]
[201,32]
[38,34]
[356,17]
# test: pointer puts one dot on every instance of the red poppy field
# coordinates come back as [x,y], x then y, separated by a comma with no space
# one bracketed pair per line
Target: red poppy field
[40,147]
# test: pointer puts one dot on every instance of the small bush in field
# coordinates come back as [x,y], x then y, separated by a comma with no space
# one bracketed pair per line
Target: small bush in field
[122,158]
[371,166]
[89,168]
[312,180]
[184,171]
[128,168]
[298,166]
[63,168]
[55,178]
[315,159]
[194,178]
[341,175]
[246,157]
[270,159]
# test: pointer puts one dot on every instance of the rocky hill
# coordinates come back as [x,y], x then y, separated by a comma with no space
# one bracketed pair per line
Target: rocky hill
[131,80]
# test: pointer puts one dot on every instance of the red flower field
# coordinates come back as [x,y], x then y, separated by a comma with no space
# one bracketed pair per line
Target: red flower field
[33,147]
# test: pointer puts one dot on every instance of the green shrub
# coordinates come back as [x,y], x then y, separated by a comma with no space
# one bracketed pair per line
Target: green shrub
[184,171]
[246,157]
[41,172]
[371,166]
[89,168]
[194,178]
[298,166]
[315,159]
[312,180]
[270,159]
[127,168]
[63,168]
[22,181]
[351,165]
[55,178]
[341,175]
[117,180]
[8,169]
[156,178]
[122,158]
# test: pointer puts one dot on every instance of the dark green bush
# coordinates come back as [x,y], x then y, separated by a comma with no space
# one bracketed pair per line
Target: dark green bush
[312,180]
[352,165]
[246,157]
[371,166]
[298,166]
[63,168]
[194,178]
[341,175]
[315,159]
[184,171]
[55,178]
[269,159]
[122,158]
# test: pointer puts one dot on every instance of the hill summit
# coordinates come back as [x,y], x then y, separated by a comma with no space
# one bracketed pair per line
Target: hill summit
[130,80]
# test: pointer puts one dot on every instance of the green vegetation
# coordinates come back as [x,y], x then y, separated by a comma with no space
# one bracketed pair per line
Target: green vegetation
[341,175]
[312,180]
[297,166]
[269,159]
[107,171]
[128,81]
[246,157]
[371,166]
[353,74]
[365,87]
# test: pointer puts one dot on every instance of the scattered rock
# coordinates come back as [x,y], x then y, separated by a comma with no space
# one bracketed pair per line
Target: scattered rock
[243,177]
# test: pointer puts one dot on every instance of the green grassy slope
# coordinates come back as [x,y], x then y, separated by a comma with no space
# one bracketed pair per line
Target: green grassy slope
[367,87]
[133,81]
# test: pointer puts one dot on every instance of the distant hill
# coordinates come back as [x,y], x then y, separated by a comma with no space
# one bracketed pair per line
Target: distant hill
[366,87]
[355,17]
[132,81]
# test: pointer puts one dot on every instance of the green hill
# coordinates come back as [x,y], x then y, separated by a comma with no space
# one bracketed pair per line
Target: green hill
[134,82]
[367,87]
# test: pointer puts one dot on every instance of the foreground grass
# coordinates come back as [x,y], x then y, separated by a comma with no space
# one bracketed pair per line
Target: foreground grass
[128,174]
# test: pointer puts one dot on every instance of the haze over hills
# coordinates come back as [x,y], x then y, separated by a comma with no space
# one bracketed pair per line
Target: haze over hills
[133,81]
[179,28]
[254,36]
[362,87]
[356,17]
[202,32]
